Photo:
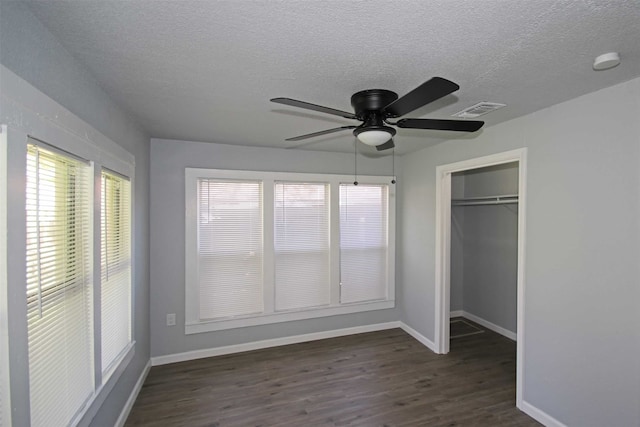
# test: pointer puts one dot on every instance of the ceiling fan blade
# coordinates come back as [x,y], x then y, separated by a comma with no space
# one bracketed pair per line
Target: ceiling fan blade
[387,145]
[441,124]
[301,104]
[322,132]
[424,94]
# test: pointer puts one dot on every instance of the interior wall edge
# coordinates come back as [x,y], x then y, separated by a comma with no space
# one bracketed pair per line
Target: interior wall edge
[126,409]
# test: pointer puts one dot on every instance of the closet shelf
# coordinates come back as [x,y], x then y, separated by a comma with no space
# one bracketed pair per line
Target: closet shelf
[487,200]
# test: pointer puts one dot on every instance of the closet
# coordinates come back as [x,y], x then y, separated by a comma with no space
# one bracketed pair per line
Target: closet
[484,247]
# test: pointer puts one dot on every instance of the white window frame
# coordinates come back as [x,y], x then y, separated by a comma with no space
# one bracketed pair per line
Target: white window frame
[194,325]
[5,400]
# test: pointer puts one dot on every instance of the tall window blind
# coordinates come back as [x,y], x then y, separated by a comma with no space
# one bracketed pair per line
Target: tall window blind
[115,261]
[230,255]
[59,285]
[301,245]
[363,242]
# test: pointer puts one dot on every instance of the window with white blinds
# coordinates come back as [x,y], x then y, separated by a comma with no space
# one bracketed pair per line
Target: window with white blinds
[302,274]
[230,248]
[363,242]
[115,262]
[267,247]
[59,285]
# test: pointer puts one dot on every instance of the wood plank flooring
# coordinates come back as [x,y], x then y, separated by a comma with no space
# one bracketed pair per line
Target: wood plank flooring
[375,379]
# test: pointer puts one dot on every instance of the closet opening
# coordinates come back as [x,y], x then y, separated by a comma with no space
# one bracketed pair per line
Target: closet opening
[480,224]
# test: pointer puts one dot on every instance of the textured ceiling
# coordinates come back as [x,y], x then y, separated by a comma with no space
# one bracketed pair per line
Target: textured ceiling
[205,70]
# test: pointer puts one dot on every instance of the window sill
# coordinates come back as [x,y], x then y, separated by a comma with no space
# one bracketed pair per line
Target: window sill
[266,319]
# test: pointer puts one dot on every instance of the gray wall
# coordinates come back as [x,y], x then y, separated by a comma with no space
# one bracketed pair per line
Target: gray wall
[489,244]
[30,51]
[581,335]
[168,162]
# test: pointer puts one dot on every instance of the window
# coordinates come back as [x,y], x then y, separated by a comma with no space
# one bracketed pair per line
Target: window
[301,245]
[59,285]
[229,248]
[363,242]
[50,262]
[266,247]
[78,281]
[115,271]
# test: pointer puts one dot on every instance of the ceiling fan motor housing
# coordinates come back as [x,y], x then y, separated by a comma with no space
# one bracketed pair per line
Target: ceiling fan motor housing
[371,100]
[368,105]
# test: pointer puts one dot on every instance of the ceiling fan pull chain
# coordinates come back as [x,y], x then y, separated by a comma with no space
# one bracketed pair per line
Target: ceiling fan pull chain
[355,162]
[393,165]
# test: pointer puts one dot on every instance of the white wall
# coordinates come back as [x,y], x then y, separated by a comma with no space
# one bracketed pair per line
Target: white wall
[33,54]
[168,162]
[582,340]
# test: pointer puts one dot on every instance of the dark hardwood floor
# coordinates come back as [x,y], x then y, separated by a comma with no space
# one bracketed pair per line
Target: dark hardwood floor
[375,379]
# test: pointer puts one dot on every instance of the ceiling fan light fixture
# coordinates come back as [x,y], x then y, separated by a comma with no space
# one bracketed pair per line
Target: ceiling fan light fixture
[374,136]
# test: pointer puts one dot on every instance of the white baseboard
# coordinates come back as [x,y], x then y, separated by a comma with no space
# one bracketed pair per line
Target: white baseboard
[491,326]
[540,416]
[132,397]
[456,313]
[257,345]
[418,336]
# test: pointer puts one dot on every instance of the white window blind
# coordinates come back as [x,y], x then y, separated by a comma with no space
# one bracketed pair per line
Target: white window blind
[230,254]
[302,275]
[115,260]
[59,286]
[363,242]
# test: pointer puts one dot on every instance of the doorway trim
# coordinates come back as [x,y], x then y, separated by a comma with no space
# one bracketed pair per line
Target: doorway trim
[443,250]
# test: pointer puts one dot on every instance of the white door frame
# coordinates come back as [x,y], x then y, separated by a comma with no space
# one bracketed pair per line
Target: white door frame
[443,252]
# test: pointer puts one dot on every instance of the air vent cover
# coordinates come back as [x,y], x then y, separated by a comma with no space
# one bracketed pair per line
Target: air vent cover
[480,109]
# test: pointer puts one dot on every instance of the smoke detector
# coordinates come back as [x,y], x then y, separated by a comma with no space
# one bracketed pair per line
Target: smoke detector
[479,109]
[606,61]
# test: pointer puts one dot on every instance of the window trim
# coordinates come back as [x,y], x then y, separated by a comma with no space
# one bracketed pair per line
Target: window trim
[193,325]
[5,390]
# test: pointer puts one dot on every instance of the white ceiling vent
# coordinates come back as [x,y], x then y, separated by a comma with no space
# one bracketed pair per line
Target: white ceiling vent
[480,109]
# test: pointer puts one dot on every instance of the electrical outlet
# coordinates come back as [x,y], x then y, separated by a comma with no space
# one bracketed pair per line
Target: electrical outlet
[171,319]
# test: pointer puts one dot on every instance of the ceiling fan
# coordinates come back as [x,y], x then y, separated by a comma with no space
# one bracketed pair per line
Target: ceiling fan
[373,107]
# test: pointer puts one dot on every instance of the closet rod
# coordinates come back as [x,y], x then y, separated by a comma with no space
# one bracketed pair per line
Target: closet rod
[487,200]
